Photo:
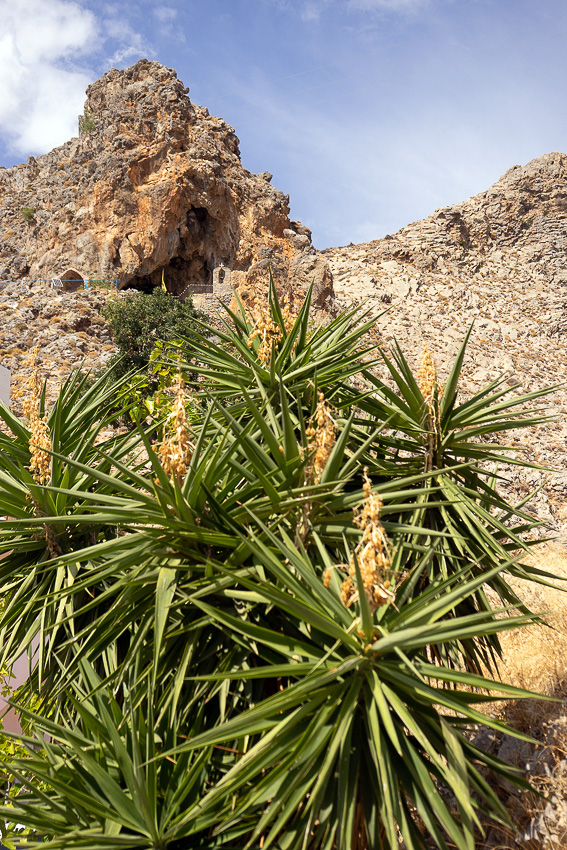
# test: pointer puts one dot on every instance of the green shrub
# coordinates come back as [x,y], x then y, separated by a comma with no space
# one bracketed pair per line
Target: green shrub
[28,214]
[138,320]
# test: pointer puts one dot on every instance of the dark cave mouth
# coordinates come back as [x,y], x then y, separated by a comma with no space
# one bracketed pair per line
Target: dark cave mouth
[191,270]
[180,276]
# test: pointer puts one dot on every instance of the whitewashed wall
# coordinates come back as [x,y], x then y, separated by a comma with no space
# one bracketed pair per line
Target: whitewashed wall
[5,385]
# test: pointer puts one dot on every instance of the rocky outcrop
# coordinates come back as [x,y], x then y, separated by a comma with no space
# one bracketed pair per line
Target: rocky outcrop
[153,186]
[498,259]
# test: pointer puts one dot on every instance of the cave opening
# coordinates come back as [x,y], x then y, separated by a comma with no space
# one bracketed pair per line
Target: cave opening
[191,269]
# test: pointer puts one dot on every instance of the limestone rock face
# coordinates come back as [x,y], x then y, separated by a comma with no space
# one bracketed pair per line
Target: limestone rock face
[500,259]
[153,185]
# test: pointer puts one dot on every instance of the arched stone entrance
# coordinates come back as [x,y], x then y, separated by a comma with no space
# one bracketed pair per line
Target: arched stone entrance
[72,281]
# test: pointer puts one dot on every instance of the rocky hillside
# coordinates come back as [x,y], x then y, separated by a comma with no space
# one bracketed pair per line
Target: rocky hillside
[67,327]
[152,185]
[499,259]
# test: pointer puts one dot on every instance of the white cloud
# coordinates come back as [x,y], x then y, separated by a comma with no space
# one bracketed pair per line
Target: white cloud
[49,53]
[313,10]
[132,44]
[310,13]
[165,13]
[168,26]
[42,81]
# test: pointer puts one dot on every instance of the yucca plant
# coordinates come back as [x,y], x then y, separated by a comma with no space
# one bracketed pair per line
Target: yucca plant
[271,347]
[363,733]
[271,366]
[455,444]
[40,490]
[284,599]
[100,780]
[357,740]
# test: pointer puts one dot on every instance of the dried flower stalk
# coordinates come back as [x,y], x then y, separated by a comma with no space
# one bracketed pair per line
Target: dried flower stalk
[288,316]
[176,448]
[371,555]
[40,442]
[427,376]
[265,330]
[40,445]
[321,437]
[431,391]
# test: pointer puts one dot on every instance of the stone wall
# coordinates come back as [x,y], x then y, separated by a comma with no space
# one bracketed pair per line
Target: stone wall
[220,291]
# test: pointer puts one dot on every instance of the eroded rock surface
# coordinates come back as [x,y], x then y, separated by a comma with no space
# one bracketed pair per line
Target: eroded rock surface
[153,186]
[498,258]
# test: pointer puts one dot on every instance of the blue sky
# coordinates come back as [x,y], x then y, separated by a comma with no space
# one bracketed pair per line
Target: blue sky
[370,113]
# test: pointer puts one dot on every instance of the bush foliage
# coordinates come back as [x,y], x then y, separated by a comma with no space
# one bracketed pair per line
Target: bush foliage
[87,122]
[138,320]
[269,630]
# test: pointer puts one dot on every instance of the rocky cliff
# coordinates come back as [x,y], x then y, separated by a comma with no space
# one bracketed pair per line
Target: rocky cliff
[67,326]
[153,185]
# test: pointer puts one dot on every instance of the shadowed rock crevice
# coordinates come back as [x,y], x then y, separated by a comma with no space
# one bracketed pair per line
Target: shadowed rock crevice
[180,275]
